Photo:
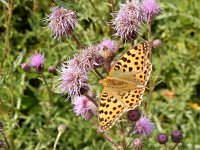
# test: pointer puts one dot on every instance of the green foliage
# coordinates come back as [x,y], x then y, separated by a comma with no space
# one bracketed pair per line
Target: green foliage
[24,108]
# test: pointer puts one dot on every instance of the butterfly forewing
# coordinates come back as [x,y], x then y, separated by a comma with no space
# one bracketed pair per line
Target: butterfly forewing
[131,63]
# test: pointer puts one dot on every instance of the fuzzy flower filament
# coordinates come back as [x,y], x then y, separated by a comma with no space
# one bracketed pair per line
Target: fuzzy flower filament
[37,60]
[127,20]
[150,8]
[72,81]
[61,22]
[84,107]
[144,126]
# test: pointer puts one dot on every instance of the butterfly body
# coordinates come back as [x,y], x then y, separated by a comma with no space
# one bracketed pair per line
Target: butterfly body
[124,87]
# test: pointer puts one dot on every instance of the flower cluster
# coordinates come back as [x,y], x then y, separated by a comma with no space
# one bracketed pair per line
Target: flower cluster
[128,19]
[36,61]
[73,77]
[176,137]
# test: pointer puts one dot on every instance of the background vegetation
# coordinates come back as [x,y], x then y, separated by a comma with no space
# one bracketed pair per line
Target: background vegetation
[23,96]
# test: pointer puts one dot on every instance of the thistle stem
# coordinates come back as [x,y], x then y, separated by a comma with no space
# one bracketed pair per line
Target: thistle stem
[119,45]
[56,141]
[76,40]
[123,142]
[7,34]
[109,139]
[90,98]
[151,89]
[49,93]
[7,143]
[164,146]
[174,146]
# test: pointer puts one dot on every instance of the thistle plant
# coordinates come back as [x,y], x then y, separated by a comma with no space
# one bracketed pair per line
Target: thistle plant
[122,110]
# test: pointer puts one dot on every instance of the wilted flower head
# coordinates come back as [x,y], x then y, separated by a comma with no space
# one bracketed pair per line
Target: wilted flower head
[62,128]
[52,70]
[127,20]
[84,107]
[144,126]
[26,67]
[37,60]
[150,9]
[72,80]
[157,43]
[138,144]
[61,21]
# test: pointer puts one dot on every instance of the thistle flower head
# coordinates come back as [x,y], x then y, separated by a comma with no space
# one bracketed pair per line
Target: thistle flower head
[150,8]
[90,58]
[26,67]
[157,43]
[37,60]
[134,115]
[162,138]
[138,144]
[127,20]
[144,126]
[176,136]
[61,22]
[1,127]
[1,144]
[72,80]
[62,128]
[109,44]
[52,70]
[84,107]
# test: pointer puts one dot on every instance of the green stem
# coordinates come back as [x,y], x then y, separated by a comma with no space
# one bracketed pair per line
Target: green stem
[119,45]
[76,40]
[49,93]
[174,146]
[7,143]
[151,89]
[56,141]
[7,34]
[165,146]
[109,139]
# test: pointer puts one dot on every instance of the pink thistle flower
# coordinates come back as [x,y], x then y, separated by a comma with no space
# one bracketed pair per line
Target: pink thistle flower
[144,126]
[61,22]
[37,60]
[84,107]
[108,44]
[150,9]
[127,20]
[90,58]
[73,81]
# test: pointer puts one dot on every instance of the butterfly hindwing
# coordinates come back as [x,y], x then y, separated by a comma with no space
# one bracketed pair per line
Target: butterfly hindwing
[110,108]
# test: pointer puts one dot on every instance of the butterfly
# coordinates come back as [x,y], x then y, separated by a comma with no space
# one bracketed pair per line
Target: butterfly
[124,87]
